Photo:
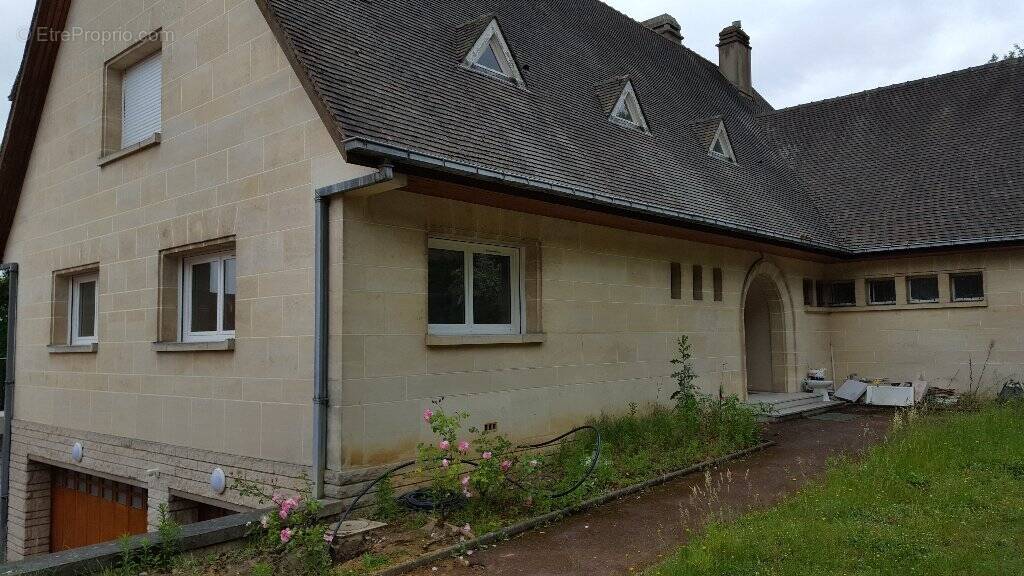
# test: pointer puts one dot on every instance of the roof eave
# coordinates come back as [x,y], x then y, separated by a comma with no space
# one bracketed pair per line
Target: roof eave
[28,99]
[371,152]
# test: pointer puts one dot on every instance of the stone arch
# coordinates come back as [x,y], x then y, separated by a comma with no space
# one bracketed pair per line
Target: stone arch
[767,331]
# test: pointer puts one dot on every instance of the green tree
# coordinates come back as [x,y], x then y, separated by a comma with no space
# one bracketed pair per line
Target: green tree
[1016,52]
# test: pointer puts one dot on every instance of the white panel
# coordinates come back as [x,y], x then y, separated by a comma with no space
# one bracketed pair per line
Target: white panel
[140,110]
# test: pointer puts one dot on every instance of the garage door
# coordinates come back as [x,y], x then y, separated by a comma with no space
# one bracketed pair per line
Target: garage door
[88,510]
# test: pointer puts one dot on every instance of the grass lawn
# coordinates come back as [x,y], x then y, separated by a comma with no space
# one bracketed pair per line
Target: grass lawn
[944,495]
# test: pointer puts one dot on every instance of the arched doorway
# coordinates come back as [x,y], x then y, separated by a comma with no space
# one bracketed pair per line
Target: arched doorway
[767,331]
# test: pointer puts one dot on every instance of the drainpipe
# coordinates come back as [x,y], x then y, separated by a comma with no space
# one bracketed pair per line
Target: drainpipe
[321,287]
[5,456]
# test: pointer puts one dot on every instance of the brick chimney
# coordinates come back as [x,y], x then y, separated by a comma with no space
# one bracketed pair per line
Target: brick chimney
[734,57]
[667,26]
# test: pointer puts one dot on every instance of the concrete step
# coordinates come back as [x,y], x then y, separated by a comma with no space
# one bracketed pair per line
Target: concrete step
[802,410]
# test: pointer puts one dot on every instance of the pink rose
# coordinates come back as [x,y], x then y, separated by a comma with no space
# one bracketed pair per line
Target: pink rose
[427,415]
[286,535]
[277,499]
[328,536]
[445,463]
[283,513]
[487,455]
[463,446]
[444,445]
[465,480]
[264,521]
[506,465]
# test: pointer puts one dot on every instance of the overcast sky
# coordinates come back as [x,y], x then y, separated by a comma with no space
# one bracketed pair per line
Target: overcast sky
[804,50]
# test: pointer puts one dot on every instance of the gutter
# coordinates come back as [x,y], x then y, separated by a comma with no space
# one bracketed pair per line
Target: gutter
[5,455]
[408,157]
[383,178]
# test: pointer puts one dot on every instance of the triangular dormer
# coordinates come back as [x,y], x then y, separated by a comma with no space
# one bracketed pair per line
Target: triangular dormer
[627,112]
[721,148]
[490,55]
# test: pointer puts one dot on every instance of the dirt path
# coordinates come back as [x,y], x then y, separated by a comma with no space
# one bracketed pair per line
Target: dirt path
[631,534]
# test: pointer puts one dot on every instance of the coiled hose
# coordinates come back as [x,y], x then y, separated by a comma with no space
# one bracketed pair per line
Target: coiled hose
[595,455]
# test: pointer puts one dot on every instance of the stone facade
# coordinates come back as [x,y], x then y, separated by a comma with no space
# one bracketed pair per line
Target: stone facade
[241,151]
[608,317]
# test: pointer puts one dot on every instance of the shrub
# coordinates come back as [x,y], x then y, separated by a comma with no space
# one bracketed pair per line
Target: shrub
[293,534]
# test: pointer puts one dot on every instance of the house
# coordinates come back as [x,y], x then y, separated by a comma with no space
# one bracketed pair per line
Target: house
[260,237]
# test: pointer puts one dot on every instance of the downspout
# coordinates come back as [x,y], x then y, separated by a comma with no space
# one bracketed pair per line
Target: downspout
[5,455]
[321,287]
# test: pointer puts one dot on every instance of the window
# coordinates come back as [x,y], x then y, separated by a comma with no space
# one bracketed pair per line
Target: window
[698,282]
[808,292]
[83,315]
[840,293]
[132,99]
[967,287]
[721,148]
[473,288]
[676,281]
[140,100]
[490,55]
[881,291]
[923,289]
[208,291]
[627,112]
[716,282]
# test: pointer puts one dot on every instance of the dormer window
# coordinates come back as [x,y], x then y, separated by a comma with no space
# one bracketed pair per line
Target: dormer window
[627,112]
[720,146]
[490,55]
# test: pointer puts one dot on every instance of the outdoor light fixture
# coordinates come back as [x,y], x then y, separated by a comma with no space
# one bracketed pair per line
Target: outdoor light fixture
[218,482]
[77,452]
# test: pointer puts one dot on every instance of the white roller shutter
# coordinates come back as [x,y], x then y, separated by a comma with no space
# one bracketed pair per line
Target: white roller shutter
[140,107]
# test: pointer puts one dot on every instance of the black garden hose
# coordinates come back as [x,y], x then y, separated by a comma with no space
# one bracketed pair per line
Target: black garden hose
[595,455]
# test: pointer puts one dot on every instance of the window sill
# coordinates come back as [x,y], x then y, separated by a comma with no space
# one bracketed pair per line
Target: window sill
[484,339]
[139,147]
[211,346]
[75,349]
[891,307]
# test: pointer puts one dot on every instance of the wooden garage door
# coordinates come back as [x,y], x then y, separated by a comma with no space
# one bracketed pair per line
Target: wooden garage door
[88,510]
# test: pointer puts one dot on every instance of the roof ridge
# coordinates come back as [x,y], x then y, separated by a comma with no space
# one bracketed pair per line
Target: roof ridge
[1008,61]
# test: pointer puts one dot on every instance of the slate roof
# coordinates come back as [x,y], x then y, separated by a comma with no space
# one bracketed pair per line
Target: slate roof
[389,72]
[932,162]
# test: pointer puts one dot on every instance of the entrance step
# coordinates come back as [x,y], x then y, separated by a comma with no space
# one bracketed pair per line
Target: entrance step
[784,406]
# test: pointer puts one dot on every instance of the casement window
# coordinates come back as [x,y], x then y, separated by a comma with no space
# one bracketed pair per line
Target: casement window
[923,289]
[808,292]
[83,312]
[967,287]
[208,291]
[698,282]
[473,288]
[676,281]
[490,55]
[881,291]
[140,100]
[840,293]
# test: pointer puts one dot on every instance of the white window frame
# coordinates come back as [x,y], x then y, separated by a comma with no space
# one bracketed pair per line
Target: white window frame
[952,286]
[910,292]
[870,292]
[74,301]
[517,288]
[493,37]
[628,101]
[185,299]
[722,137]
